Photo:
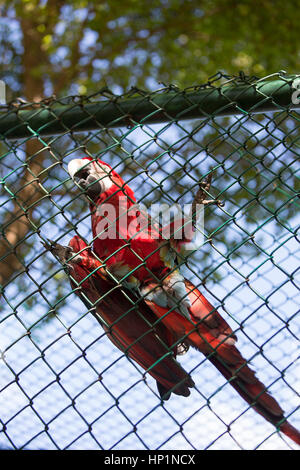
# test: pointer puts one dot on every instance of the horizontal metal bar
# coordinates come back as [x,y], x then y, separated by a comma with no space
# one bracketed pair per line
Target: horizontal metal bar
[228,99]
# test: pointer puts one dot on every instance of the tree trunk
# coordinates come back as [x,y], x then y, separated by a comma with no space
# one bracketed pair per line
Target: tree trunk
[18,223]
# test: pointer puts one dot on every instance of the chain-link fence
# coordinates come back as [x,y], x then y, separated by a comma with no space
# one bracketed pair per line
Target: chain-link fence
[64,384]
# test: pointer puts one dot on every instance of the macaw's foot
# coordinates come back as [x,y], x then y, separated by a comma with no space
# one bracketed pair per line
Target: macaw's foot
[203,191]
[63,253]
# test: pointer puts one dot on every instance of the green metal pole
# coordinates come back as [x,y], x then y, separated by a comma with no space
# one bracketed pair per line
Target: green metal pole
[236,99]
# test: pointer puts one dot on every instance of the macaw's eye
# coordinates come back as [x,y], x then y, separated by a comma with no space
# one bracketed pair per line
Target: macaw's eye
[82,174]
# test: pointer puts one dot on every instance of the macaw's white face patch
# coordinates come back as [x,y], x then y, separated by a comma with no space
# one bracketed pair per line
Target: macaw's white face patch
[94,177]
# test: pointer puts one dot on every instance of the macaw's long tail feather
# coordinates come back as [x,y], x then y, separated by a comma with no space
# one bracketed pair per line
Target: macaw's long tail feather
[208,332]
[290,431]
[254,392]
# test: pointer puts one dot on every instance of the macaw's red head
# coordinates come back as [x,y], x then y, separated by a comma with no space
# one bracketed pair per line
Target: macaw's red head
[96,177]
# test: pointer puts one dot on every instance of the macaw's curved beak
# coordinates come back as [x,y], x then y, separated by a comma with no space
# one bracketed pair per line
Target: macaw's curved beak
[89,184]
[80,172]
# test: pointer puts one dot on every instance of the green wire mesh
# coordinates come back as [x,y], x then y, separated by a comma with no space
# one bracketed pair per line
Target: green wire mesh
[63,385]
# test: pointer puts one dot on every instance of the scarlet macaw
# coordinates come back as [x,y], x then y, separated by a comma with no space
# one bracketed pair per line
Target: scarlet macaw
[156,314]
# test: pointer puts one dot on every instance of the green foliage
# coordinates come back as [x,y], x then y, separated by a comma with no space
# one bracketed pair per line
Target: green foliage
[84,45]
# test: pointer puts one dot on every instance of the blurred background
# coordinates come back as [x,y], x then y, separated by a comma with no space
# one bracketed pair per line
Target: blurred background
[53,351]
